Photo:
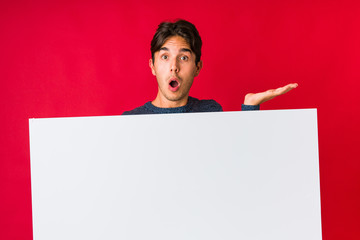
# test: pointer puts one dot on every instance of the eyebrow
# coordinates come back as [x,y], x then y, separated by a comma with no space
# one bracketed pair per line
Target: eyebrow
[181,50]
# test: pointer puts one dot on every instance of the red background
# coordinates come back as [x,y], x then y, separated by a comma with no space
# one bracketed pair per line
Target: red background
[90,58]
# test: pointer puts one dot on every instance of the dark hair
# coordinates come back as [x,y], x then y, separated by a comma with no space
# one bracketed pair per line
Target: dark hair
[180,28]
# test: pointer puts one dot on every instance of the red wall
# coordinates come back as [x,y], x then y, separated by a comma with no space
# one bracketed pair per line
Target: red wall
[90,58]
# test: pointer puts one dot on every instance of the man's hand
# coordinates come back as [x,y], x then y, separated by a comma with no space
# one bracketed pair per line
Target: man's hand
[258,98]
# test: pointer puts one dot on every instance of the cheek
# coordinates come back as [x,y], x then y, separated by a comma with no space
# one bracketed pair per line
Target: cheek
[161,68]
[161,73]
[191,71]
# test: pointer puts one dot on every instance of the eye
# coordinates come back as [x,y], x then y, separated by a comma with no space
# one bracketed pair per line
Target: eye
[164,57]
[184,58]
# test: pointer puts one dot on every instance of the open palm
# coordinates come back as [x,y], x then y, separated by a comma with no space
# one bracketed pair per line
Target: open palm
[259,98]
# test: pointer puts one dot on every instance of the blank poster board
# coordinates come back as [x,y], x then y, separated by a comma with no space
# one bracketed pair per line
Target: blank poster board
[226,175]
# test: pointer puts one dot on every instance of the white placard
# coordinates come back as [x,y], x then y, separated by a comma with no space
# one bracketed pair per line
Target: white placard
[226,175]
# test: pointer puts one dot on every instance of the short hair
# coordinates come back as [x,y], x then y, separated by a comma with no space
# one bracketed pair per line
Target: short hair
[180,28]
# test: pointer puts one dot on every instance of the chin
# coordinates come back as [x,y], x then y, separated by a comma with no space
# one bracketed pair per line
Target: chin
[175,98]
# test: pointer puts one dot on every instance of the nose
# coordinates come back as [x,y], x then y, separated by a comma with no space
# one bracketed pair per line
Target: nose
[175,66]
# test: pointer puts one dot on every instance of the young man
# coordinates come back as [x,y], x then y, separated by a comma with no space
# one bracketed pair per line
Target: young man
[175,62]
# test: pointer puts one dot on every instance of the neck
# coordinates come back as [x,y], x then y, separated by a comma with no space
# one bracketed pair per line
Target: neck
[162,102]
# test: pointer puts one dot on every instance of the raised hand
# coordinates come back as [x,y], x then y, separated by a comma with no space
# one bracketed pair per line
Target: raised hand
[258,98]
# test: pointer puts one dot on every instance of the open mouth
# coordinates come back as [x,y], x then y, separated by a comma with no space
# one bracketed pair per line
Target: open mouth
[174,84]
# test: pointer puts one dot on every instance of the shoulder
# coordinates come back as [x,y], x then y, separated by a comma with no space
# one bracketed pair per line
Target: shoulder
[206,105]
[139,110]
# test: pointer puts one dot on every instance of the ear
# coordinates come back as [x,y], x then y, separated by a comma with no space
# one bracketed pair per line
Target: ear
[151,65]
[199,66]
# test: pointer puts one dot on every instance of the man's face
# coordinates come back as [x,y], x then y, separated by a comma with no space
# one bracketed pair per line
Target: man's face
[175,70]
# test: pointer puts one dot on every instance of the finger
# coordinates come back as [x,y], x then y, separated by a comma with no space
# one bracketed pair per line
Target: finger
[285,89]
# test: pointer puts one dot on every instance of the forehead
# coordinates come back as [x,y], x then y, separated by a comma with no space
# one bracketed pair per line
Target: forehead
[176,42]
